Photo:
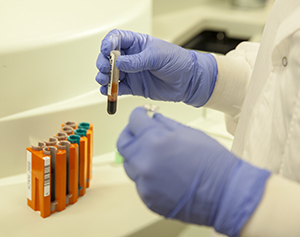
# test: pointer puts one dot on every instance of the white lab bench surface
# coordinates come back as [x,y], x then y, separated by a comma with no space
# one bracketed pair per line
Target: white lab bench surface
[110,207]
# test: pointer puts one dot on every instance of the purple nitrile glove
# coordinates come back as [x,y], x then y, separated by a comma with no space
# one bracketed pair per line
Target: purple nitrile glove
[182,173]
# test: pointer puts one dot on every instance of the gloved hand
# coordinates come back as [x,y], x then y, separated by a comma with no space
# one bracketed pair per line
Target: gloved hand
[182,173]
[155,69]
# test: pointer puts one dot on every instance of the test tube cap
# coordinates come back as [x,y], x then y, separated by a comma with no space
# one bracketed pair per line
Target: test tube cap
[70,124]
[84,125]
[74,139]
[80,132]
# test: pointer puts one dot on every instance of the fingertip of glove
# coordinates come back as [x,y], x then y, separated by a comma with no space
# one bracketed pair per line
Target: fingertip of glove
[138,112]
[166,122]
[103,90]
[121,60]
[122,140]
[104,50]
[102,79]
[105,47]
[128,63]
[138,120]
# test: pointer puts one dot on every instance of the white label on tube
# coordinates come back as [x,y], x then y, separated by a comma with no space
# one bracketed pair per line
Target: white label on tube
[29,170]
[111,73]
[46,176]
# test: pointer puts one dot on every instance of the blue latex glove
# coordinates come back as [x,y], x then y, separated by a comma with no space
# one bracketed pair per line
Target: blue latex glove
[155,69]
[182,173]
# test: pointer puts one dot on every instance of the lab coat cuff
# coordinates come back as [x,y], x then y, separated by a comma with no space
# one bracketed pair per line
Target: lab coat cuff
[278,212]
[231,85]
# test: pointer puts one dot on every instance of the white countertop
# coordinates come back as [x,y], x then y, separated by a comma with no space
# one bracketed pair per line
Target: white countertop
[110,207]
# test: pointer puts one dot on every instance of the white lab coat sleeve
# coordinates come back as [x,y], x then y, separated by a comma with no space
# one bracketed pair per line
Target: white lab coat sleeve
[234,72]
[278,212]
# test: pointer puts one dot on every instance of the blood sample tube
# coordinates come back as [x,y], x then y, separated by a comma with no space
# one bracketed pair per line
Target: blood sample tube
[112,87]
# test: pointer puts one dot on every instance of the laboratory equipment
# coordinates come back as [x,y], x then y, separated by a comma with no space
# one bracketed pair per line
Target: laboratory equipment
[67,129]
[113,84]
[71,124]
[59,170]
[58,177]
[72,170]
[82,160]
[38,180]
[89,134]
[61,136]
[213,41]
[51,142]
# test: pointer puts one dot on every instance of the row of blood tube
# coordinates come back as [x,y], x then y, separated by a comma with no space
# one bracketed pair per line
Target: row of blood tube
[59,170]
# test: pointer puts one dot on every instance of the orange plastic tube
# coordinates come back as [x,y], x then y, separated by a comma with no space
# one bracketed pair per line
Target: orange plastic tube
[83,142]
[58,177]
[72,170]
[61,179]
[73,173]
[89,135]
[83,165]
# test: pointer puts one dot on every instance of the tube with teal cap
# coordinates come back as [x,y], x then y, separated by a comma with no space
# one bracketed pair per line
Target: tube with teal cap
[84,125]
[76,139]
[83,143]
[89,135]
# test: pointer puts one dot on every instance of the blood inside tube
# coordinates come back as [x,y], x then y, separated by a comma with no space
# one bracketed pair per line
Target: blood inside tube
[112,99]
[112,87]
